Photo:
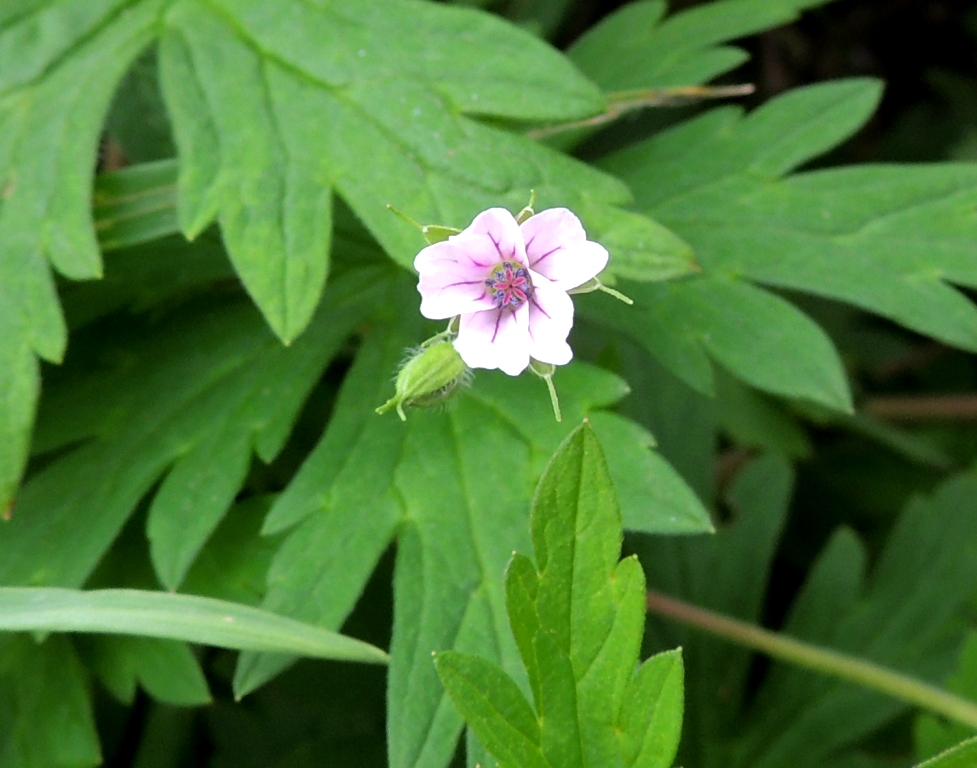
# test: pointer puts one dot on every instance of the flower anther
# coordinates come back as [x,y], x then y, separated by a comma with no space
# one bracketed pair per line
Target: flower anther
[510,285]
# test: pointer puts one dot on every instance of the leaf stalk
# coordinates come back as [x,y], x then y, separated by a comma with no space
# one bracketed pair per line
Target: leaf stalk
[819,659]
[620,103]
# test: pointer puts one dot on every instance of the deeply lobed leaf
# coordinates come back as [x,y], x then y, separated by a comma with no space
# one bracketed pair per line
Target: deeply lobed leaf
[200,395]
[655,51]
[577,622]
[60,63]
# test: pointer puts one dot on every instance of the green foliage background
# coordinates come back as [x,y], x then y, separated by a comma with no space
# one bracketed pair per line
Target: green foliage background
[192,343]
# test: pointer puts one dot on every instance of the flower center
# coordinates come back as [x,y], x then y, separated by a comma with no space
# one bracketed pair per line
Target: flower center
[510,285]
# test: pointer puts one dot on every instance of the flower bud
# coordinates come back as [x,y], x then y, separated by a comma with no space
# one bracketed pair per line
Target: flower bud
[429,377]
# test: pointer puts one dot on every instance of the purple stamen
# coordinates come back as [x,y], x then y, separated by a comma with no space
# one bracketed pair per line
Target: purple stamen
[510,285]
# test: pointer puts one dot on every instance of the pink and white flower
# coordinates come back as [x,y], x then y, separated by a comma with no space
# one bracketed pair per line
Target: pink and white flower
[508,285]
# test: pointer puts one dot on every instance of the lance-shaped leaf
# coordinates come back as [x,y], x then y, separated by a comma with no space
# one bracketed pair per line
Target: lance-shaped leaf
[486,695]
[759,337]
[577,622]
[176,617]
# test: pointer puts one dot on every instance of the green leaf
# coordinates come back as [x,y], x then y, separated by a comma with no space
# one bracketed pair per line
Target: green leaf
[578,625]
[491,701]
[437,484]
[135,204]
[277,221]
[166,669]
[640,248]
[934,735]
[376,107]
[650,51]
[755,420]
[137,121]
[44,704]
[919,589]
[723,144]
[51,85]
[728,573]
[211,371]
[658,499]
[651,723]
[756,335]
[177,617]
[887,239]
[590,607]
[961,756]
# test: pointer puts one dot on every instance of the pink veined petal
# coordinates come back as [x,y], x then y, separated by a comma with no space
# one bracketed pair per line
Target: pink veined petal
[557,247]
[550,320]
[453,272]
[496,338]
[503,239]
[450,283]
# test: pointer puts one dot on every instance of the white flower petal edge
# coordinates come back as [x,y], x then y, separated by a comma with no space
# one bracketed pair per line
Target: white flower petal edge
[550,321]
[557,248]
[495,339]
[500,228]
[450,284]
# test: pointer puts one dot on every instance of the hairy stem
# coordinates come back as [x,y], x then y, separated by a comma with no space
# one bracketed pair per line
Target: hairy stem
[818,659]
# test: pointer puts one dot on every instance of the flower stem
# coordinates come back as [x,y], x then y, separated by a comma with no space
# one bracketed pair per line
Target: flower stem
[818,659]
[622,102]
[553,398]
[918,408]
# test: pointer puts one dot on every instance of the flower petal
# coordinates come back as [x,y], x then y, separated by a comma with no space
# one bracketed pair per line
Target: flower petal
[550,320]
[502,237]
[558,248]
[453,272]
[451,283]
[495,338]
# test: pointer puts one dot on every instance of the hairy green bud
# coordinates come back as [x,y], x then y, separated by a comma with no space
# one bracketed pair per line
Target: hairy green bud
[429,377]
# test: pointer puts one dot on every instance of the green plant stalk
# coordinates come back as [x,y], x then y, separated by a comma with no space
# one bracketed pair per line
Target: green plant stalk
[620,103]
[818,659]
